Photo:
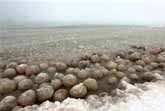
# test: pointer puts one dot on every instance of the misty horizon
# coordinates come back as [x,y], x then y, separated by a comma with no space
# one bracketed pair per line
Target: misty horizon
[77,12]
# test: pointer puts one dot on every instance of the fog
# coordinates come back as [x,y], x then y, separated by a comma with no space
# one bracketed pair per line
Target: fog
[127,12]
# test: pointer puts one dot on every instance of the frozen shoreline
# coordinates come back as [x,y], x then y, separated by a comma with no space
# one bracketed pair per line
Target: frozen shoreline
[41,44]
[142,97]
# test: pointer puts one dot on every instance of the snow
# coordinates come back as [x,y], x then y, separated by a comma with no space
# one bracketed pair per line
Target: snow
[141,97]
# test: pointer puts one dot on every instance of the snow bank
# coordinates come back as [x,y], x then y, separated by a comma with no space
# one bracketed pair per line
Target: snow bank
[145,97]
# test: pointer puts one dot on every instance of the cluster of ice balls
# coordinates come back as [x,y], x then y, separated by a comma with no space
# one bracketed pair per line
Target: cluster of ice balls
[32,84]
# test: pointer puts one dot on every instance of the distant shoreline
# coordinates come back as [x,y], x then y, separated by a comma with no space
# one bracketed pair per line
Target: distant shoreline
[31,26]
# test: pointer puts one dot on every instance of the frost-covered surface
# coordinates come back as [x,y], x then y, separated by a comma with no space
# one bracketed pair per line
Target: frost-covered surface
[145,97]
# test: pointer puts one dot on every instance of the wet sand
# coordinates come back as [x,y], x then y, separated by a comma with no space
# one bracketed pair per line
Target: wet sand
[61,42]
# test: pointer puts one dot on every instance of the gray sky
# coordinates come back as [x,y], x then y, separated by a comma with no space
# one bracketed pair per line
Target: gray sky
[137,12]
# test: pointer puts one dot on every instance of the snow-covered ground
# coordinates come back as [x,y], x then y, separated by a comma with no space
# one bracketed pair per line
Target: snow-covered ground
[142,97]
